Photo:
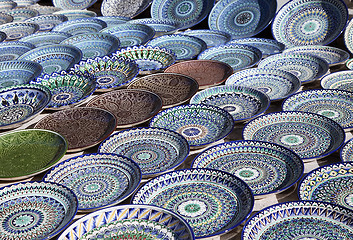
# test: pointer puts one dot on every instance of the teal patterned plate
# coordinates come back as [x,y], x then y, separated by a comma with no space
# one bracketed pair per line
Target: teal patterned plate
[77,14]
[266,46]
[211,37]
[341,80]
[17,30]
[45,38]
[47,22]
[346,153]
[14,49]
[161,26]
[80,26]
[18,72]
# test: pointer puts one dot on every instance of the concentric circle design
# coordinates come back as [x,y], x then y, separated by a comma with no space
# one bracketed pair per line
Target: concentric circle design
[17,30]
[341,80]
[346,153]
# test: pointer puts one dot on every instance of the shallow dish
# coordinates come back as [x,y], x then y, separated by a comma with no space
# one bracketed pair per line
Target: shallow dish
[266,167]
[113,20]
[199,124]
[238,56]
[35,210]
[300,220]
[21,14]
[277,84]
[76,14]
[122,8]
[207,73]
[5,18]
[82,127]
[7,5]
[309,135]
[155,150]
[43,10]
[185,47]
[45,38]
[47,22]
[173,88]
[306,67]
[98,179]
[25,153]
[348,36]
[12,50]
[135,221]
[266,46]
[242,18]
[211,37]
[211,201]
[342,80]
[21,103]
[18,72]
[161,26]
[346,153]
[73,5]
[243,103]
[130,106]
[17,30]
[80,26]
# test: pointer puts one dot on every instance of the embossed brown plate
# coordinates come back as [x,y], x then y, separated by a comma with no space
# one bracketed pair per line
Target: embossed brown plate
[82,127]
[173,88]
[206,72]
[130,106]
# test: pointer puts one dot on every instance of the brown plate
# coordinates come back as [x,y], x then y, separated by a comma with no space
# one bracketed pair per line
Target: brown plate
[82,127]
[173,88]
[130,106]
[206,72]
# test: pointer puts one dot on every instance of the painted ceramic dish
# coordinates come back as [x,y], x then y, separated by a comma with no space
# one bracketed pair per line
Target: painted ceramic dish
[18,72]
[348,36]
[135,221]
[309,135]
[242,18]
[113,20]
[130,106]
[73,5]
[161,26]
[98,179]
[5,18]
[82,127]
[199,124]
[238,56]
[207,73]
[47,22]
[21,14]
[185,47]
[124,8]
[173,88]
[25,153]
[211,37]
[45,38]
[7,5]
[43,10]
[342,80]
[80,26]
[211,201]
[300,220]
[155,150]
[77,14]
[186,13]
[266,167]
[12,50]
[243,103]
[309,22]
[54,58]
[93,44]
[148,58]
[35,210]
[25,3]
[346,153]
[334,104]
[21,103]
[277,84]
[17,30]
[109,72]
[306,67]
[266,46]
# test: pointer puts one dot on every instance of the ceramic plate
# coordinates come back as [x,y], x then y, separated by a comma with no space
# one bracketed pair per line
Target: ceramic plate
[124,8]
[76,14]
[18,72]
[242,18]
[45,38]
[348,36]
[25,153]
[266,46]
[266,167]
[7,5]
[277,84]
[199,124]
[47,22]
[72,5]
[80,26]
[334,104]
[342,80]
[300,220]
[134,221]
[43,10]
[243,103]
[346,153]
[35,210]
[98,179]
[17,30]
[5,18]
[309,135]
[309,22]
[211,201]
[185,47]
[155,150]
[82,127]
[21,14]
[113,20]
[306,67]
[161,26]
[207,73]
[211,37]
[186,13]
[130,106]
[238,56]
[12,50]
[173,88]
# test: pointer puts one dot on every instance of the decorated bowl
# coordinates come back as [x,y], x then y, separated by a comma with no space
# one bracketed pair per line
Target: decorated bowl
[45,38]
[80,25]
[342,80]
[5,18]
[211,37]
[266,46]
[17,30]
[113,20]
[18,72]
[124,9]
[21,14]
[346,152]
[13,50]
[43,10]
[47,22]
[77,14]
[73,5]
[7,5]
[161,26]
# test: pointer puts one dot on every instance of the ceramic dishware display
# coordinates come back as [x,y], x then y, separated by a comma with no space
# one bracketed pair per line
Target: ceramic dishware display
[161,26]
[5,18]
[135,221]
[238,56]
[12,50]
[28,152]
[242,18]
[173,88]
[97,179]
[18,72]
[21,103]
[113,20]
[82,127]
[17,30]
[77,14]
[200,124]
[243,103]
[346,153]
[342,80]
[266,167]
[306,67]
[130,106]
[211,201]
[21,14]
[155,150]
[73,5]
[40,39]
[266,46]
[47,22]
[277,84]
[310,135]
[80,26]
[211,37]
[35,210]
[122,8]
[207,73]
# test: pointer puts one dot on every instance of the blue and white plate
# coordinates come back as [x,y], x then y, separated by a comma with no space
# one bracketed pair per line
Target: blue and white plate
[13,50]
[17,30]
[5,18]
[211,37]
[7,5]
[44,10]
[21,14]
[45,38]
[266,46]
[73,5]
[341,80]
[47,22]
[80,26]
[113,20]
[76,14]
[348,36]
[18,72]
[161,26]
[346,153]
[124,8]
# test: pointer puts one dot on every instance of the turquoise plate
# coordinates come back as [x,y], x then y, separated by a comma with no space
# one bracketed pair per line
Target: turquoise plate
[342,80]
